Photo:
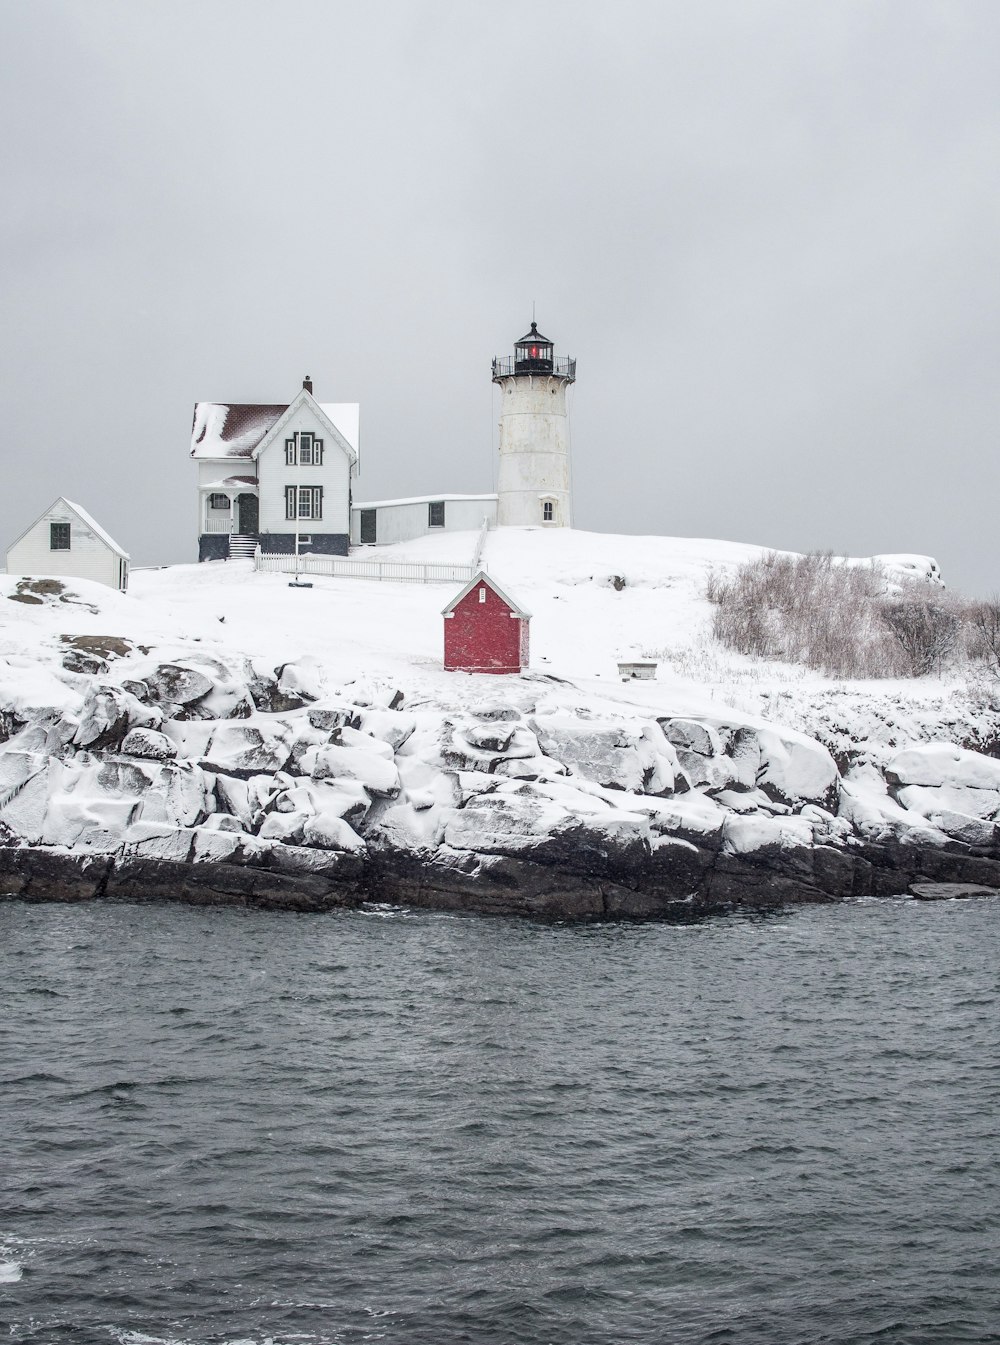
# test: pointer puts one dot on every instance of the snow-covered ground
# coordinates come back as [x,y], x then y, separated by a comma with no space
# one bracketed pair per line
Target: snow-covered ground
[258,714]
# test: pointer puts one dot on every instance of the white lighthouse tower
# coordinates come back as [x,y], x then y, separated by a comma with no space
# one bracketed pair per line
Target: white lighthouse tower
[533,486]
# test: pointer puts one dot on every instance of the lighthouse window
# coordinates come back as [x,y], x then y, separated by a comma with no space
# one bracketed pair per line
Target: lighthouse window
[547,514]
[435,514]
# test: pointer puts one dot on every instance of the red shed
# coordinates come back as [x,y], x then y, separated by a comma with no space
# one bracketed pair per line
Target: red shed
[484,631]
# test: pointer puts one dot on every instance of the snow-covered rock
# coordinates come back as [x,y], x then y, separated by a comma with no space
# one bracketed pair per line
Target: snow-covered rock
[943,764]
[257,747]
[633,757]
[369,768]
[148,743]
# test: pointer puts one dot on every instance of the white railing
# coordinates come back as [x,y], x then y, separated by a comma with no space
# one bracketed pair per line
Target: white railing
[344,567]
[218,525]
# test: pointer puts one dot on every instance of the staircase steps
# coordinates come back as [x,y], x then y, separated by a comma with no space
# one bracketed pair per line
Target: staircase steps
[242,546]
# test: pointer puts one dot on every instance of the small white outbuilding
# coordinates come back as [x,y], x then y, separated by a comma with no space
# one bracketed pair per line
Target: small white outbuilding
[67,543]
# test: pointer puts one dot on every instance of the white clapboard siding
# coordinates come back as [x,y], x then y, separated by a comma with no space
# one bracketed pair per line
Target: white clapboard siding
[334,476]
[92,553]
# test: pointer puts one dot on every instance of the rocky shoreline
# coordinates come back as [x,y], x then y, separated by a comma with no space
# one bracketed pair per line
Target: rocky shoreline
[621,889]
[207,779]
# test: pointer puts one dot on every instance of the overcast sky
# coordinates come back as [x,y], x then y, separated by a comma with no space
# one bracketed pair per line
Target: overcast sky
[768,230]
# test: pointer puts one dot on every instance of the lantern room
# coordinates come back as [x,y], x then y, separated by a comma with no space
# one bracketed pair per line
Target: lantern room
[533,353]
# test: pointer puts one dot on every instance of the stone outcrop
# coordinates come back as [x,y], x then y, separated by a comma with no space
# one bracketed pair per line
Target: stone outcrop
[195,781]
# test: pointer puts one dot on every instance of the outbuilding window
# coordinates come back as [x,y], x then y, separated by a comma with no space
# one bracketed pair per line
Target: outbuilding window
[368,525]
[435,514]
[59,537]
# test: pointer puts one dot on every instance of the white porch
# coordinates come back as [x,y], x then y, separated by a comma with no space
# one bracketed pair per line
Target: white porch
[230,506]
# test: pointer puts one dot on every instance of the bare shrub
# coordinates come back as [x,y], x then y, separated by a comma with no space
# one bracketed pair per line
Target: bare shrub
[714,584]
[983,626]
[927,628]
[813,610]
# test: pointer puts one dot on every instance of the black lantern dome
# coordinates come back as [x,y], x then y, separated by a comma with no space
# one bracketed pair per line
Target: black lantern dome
[533,355]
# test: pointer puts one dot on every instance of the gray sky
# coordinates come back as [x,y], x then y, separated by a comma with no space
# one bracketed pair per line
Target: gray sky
[768,230]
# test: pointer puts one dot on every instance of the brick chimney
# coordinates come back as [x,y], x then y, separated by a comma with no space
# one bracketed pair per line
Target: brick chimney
[307,383]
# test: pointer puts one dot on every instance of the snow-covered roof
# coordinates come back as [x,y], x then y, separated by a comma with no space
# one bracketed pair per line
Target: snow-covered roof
[84,518]
[416,499]
[237,429]
[230,483]
[346,416]
[92,523]
[483,578]
[231,429]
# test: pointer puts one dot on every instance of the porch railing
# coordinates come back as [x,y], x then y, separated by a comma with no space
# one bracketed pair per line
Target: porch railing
[218,525]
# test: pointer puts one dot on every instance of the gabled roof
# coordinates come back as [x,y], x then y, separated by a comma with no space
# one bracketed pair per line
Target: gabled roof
[483,578]
[320,411]
[238,429]
[84,518]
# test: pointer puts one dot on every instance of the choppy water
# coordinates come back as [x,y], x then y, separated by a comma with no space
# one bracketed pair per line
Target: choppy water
[223,1126]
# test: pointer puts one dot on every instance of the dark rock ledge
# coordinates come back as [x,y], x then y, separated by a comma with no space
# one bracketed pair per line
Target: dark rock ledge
[552,885]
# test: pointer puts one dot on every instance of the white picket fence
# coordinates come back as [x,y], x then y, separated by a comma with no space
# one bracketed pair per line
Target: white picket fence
[344,567]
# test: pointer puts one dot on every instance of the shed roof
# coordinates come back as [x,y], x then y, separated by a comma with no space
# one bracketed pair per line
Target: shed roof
[418,499]
[84,518]
[483,578]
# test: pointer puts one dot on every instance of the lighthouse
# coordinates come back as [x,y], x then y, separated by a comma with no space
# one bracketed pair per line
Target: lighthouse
[533,485]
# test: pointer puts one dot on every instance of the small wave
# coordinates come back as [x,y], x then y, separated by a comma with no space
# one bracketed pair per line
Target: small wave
[10,1272]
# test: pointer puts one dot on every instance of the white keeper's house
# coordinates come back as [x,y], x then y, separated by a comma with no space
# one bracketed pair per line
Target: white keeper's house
[267,472]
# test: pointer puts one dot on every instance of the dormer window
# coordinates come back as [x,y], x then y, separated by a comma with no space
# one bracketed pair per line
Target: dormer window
[304,449]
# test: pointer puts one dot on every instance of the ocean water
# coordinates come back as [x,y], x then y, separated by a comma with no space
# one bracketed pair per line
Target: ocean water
[223,1126]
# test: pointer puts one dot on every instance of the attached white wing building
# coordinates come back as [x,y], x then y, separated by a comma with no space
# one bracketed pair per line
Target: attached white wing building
[67,543]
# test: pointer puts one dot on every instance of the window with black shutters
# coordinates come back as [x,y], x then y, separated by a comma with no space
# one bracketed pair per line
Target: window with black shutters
[58,536]
[310,502]
[305,449]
